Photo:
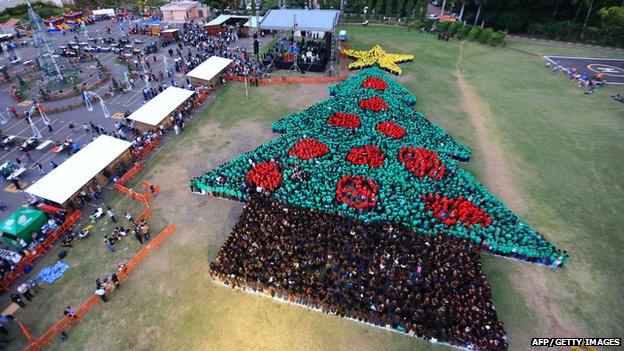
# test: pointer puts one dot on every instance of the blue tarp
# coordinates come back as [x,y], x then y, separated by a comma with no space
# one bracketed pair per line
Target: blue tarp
[52,273]
[310,20]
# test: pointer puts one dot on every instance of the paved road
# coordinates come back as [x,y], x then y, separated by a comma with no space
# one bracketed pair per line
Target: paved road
[119,103]
[613,69]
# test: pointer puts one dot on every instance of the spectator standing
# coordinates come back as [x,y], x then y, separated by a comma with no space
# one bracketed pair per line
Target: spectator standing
[18,300]
[24,289]
[101,293]
[137,235]
[110,243]
[111,214]
[70,312]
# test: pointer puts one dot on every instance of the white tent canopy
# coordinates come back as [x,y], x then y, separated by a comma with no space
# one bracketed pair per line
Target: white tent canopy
[297,19]
[104,12]
[160,107]
[210,68]
[70,176]
[221,19]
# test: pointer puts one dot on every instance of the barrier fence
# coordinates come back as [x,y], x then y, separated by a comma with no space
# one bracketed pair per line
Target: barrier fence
[41,249]
[138,167]
[36,344]
[139,154]
[132,172]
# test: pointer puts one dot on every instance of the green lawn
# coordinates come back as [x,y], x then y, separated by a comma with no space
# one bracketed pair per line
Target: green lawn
[563,151]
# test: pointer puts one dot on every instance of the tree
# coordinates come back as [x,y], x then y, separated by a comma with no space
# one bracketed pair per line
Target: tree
[612,19]
[590,7]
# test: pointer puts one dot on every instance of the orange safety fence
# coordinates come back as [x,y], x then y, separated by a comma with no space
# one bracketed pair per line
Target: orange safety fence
[41,249]
[147,213]
[148,186]
[144,198]
[64,323]
[140,153]
[201,97]
[293,80]
[138,167]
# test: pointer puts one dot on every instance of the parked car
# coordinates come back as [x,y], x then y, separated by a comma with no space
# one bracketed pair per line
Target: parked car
[436,3]
[433,16]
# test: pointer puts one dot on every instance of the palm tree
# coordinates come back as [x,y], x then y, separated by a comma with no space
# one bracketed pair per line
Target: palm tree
[480,3]
[590,7]
[443,6]
[461,12]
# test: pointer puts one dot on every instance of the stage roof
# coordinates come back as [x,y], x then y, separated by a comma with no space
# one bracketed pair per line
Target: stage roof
[312,20]
[161,106]
[209,68]
[179,5]
[219,20]
[70,176]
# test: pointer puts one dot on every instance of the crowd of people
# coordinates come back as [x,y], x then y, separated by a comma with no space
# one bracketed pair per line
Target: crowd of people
[584,79]
[140,230]
[224,44]
[379,164]
[428,286]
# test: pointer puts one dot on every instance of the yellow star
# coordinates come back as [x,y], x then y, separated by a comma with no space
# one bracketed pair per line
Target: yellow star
[377,56]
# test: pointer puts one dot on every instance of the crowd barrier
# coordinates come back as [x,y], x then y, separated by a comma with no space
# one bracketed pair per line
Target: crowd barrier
[139,154]
[138,167]
[36,344]
[40,250]
[132,172]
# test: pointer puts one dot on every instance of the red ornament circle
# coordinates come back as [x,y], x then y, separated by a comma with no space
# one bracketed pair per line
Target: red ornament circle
[306,149]
[375,83]
[391,129]
[422,162]
[357,192]
[265,175]
[375,104]
[452,211]
[370,155]
[344,120]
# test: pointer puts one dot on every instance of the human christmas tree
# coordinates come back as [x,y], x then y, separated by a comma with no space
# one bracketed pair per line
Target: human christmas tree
[365,153]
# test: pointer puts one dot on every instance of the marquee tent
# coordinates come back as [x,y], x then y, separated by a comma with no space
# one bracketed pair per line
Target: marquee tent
[155,111]
[297,19]
[209,69]
[69,177]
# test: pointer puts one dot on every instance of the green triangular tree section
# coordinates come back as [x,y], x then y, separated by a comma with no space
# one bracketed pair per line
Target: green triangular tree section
[400,197]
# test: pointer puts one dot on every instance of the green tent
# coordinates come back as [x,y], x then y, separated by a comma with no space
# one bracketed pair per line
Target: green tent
[20,224]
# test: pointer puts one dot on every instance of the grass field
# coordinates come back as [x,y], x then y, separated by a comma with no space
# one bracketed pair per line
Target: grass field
[552,154]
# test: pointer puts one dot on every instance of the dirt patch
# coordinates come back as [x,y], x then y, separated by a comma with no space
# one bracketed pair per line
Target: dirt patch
[497,173]
[296,96]
[530,280]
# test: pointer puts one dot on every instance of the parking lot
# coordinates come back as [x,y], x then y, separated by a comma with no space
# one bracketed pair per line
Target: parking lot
[68,124]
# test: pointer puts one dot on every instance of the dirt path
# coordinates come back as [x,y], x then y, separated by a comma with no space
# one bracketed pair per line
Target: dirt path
[529,279]
[497,173]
